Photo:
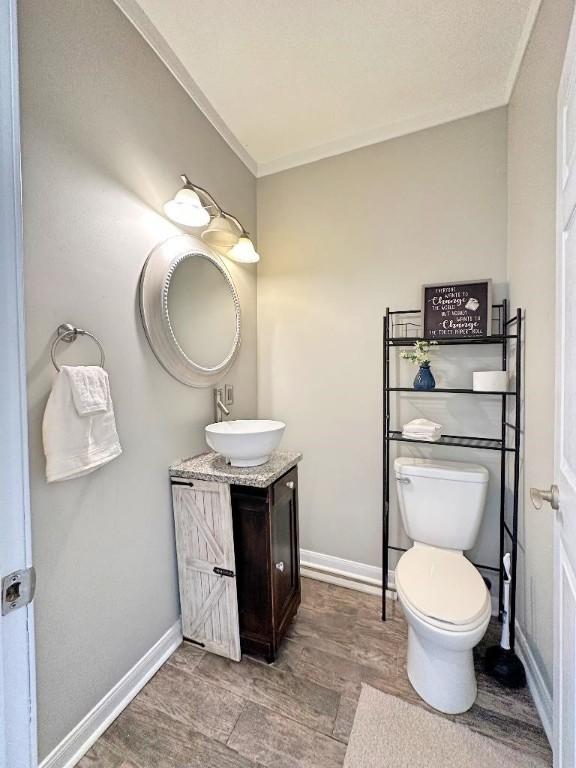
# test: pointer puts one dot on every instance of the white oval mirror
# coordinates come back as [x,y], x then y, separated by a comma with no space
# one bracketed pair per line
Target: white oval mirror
[190,310]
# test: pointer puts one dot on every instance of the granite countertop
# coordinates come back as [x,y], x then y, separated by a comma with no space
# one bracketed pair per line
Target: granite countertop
[212,466]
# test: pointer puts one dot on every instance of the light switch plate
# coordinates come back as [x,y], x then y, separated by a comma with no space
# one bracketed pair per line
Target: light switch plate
[228,394]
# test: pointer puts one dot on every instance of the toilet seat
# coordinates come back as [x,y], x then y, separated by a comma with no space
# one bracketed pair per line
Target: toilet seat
[442,588]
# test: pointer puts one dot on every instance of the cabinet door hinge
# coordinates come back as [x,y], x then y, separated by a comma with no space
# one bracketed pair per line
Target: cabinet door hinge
[18,589]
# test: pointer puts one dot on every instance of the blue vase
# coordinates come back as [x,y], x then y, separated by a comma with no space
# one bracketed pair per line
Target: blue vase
[424,378]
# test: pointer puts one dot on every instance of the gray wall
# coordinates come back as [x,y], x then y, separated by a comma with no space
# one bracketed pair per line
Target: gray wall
[343,238]
[531,270]
[106,132]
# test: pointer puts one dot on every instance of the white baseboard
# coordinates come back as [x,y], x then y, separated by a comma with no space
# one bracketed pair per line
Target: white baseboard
[352,575]
[538,688]
[344,573]
[75,745]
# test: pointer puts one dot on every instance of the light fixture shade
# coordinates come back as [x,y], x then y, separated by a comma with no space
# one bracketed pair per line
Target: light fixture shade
[243,251]
[221,233]
[186,208]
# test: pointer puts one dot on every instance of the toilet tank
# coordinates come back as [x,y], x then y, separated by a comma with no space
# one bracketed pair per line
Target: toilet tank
[442,502]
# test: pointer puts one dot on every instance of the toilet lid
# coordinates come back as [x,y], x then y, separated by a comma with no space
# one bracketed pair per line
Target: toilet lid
[441,584]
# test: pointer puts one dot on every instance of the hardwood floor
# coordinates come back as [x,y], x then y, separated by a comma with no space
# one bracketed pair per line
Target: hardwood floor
[203,711]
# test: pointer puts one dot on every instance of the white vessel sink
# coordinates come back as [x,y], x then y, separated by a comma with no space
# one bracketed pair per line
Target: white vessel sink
[245,442]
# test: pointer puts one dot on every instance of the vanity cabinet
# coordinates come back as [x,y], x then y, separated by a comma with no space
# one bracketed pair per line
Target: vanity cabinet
[265,524]
[238,552]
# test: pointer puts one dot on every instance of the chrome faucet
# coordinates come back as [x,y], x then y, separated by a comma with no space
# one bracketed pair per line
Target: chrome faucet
[220,409]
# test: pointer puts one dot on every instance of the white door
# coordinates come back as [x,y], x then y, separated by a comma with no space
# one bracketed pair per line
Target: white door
[17,671]
[565,428]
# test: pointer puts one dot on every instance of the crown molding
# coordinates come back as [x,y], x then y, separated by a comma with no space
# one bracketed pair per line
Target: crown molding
[466,108]
[141,21]
[525,35]
[456,111]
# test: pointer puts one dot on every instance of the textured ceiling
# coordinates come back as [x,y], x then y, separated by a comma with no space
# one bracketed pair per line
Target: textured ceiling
[291,81]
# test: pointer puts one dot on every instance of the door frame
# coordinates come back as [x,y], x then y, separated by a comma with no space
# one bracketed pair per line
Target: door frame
[18,748]
[567,80]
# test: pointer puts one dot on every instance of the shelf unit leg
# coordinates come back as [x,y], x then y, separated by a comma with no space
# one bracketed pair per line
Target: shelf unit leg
[503,463]
[517,434]
[385,460]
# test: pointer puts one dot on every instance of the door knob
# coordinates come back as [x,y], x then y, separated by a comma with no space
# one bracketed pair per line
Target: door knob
[552,496]
[290,484]
[280,566]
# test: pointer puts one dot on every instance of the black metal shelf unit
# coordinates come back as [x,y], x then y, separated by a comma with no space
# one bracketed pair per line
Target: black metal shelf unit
[507,330]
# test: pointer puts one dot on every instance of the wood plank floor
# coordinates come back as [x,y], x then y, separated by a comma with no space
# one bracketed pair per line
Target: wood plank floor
[203,711]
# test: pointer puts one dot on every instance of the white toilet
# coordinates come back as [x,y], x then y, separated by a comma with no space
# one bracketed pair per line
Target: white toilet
[446,602]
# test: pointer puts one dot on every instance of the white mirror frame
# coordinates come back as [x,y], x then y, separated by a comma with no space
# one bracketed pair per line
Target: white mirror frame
[155,280]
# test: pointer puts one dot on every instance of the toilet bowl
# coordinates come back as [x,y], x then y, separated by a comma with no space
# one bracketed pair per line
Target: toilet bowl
[448,609]
[445,600]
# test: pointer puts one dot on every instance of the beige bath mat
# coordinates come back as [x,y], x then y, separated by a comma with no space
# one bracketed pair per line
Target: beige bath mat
[390,733]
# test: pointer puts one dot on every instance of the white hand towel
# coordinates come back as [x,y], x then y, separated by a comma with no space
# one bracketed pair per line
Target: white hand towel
[422,426]
[90,388]
[76,445]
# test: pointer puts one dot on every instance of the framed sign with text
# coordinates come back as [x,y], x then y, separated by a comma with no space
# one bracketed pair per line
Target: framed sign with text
[457,310]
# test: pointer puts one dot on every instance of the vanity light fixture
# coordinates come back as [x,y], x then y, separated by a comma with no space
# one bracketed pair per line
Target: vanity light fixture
[193,206]
[186,207]
[223,232]
[244,250]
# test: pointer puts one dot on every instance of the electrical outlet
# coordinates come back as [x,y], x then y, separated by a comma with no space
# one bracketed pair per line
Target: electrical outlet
[228,394]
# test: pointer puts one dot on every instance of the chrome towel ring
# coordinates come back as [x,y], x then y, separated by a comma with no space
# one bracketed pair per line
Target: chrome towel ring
[68,333]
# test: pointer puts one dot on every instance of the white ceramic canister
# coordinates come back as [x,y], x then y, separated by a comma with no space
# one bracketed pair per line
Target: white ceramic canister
[490,381]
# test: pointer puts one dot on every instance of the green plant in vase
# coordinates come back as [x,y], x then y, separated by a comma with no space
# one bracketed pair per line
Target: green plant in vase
[421,355]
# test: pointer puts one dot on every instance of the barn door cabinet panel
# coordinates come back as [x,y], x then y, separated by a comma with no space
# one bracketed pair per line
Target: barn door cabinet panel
[238,552]
[205,547]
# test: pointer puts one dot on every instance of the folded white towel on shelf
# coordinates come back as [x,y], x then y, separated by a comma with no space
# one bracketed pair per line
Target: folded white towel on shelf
[422,429]
[77,444]
[89,386]
[422,425]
